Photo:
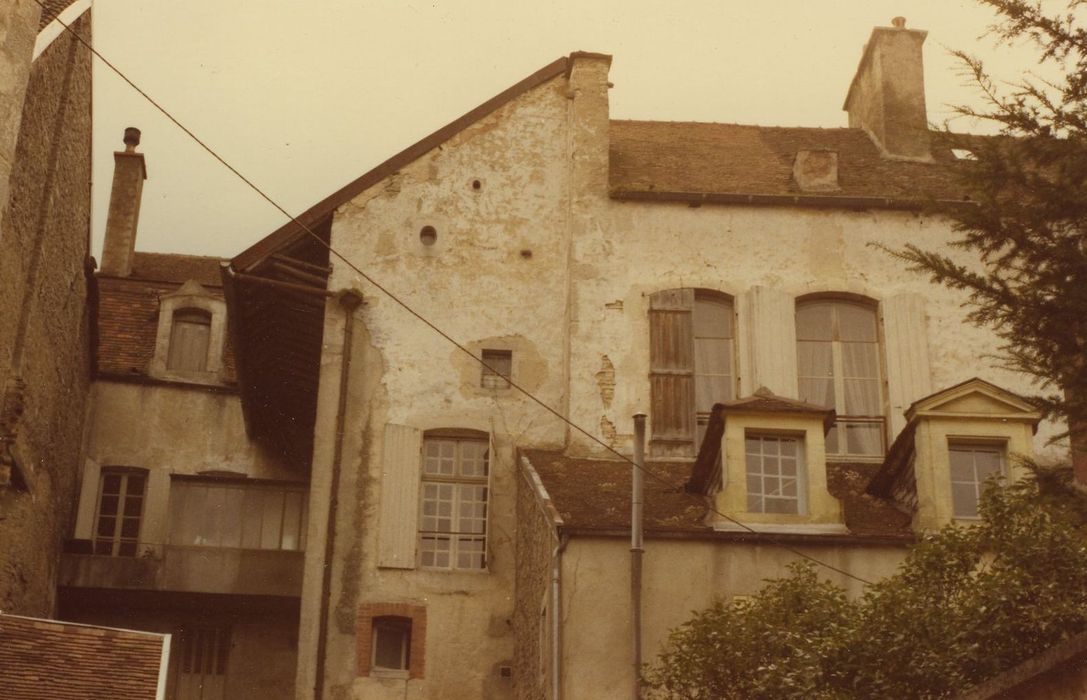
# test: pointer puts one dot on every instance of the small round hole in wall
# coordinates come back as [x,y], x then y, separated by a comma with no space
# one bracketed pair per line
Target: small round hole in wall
[526,253]
[428,235]
[477,185]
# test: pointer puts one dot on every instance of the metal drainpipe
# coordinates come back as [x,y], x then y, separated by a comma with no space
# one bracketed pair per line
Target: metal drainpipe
[637,499]
[349,301]
[556,618]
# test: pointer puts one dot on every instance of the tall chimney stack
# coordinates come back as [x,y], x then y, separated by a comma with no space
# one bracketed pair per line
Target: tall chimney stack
[887,95]
[129,172]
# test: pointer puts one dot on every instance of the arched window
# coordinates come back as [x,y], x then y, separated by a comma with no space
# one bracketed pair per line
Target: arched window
[692,364]
[838,363]
[453,518]
[190,334]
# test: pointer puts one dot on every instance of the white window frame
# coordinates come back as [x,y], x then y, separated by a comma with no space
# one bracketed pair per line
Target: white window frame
[116,539]
[801,470]
[838,365]
[457,481]
[973,445]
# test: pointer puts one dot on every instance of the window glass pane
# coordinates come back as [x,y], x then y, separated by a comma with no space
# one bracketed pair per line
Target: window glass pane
[453,513]
[861,397]
[135,485]
[962,465]
[863,438]
[390,646]
[272,520]
[497,364]
[106,526]
[772,486]
[814,321]
[473,458]
[292,520]
[856,322]
[108,505]
[988,463]
[712,317]
[230,534]
[965,500]
[254,510]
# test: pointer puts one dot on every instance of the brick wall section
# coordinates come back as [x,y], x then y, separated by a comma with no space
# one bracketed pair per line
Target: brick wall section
[534,547]
[364,634]
[43,249]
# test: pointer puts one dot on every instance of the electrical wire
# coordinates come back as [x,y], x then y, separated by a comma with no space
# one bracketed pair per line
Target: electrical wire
[767,537]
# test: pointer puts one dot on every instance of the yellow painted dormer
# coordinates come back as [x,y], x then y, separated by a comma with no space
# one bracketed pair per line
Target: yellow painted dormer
[954,441]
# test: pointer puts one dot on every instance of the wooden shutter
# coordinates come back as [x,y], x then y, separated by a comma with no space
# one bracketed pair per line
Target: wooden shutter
[671,370]
[771,337]
[905,337]
[398,521]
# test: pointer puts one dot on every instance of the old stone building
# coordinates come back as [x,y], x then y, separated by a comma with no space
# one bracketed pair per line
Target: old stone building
[320,496]
[803,389]
[46,290]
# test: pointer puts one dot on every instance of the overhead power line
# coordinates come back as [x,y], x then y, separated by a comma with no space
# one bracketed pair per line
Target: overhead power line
[406,307]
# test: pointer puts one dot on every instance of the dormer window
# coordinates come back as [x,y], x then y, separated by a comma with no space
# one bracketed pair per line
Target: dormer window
[191,334]
[774,474]
[189,337]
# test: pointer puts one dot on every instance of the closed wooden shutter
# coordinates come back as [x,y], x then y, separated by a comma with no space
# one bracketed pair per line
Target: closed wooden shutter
[906,338]
[398,521]
[671,371]
[771,335]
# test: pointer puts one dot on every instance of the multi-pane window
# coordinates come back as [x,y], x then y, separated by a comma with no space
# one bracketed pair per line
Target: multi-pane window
[190,335]
[774,474]
[453,519]
[497,365]
[221,513]
[971,466]
[391,646]
[838,362]
[692,364]
[201,661]
[120,508]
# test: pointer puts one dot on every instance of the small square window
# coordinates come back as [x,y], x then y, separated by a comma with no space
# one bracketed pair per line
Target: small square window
[391,643]
[497,365]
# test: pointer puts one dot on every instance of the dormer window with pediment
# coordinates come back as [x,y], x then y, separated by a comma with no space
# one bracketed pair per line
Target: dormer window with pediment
[954,443]
[190,336]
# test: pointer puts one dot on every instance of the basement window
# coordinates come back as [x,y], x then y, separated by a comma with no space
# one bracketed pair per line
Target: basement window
[497,365]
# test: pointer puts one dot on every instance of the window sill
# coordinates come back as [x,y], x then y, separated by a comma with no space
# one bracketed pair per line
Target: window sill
[389,674]
[784,528]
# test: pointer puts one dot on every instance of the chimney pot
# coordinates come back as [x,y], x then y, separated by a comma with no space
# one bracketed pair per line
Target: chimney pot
[132,138]
[898,22]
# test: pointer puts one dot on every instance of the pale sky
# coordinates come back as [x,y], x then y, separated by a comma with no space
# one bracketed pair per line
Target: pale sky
[303,96]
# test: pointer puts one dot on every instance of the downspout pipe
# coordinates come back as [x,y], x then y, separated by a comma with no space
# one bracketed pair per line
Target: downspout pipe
[556,618]
[637,550]
[350,301]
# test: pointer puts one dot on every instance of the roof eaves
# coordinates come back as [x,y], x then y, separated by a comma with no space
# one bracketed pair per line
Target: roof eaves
[296,227]
[697,199]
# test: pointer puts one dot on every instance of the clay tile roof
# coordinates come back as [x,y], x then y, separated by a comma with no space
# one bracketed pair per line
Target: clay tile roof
[128,310]
[708,158]
[62,661]
[594,494]
[168,267]
[50,9]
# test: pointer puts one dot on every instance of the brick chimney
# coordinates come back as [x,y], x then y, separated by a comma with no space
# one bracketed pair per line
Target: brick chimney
[129,172]
[887,95]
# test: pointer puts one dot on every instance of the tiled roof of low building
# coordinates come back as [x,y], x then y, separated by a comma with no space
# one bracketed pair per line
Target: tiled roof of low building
[128,310]
[61,661]
[594,494]
[709,158]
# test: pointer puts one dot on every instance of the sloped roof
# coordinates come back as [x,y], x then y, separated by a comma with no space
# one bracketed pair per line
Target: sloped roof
[128,310]
[695,158]
[50,9]
[58,660]
[594,495]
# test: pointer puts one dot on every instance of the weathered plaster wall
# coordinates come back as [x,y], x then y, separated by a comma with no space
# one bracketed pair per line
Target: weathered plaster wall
[166,430]
[43,308]
[536,543]
[490,239]
[680,576]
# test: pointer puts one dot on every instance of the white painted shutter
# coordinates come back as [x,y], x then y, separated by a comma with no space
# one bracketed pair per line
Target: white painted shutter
[771,337]
[905,334]
[398,521]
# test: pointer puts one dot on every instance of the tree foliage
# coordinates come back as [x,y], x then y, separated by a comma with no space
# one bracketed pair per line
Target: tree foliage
[1028,221]
[967,603]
